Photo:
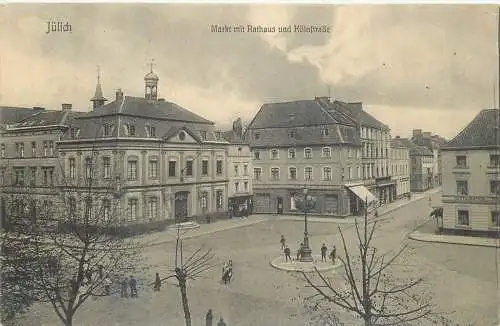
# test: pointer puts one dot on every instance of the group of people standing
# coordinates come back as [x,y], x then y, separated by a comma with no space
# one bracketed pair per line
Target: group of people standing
[324,250]
[127,283]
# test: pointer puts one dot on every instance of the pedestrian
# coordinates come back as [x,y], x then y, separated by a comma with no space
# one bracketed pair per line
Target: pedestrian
[282,241]
[133,287]
[107,285]
[323,253]
[157,282]
[100,269]
[333,254]
[299,252]
[287,254]
[209,318]
[221,322]
[123,288]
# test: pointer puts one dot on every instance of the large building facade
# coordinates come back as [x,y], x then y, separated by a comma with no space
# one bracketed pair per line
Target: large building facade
[306,144]
[400,168]
[471,178]
[433,143]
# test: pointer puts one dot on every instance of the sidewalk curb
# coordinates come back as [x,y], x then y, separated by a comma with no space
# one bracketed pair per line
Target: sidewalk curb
[230,227]
[415,235]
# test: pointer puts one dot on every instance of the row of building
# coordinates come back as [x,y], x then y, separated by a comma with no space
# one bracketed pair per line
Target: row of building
[163,161]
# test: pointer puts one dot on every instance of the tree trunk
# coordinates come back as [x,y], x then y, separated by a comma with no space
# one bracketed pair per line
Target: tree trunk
[185,304]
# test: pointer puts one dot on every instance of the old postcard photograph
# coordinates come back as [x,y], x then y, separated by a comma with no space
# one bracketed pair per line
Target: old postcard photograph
[211,164]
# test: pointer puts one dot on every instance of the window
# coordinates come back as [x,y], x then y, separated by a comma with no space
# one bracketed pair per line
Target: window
[182,135]
[495,187]
[131,129]
[292,201]
[51,148]
[291,134]
[172,166]
[74,132]
[275,173]
[308,173]
[153,204]
[245,169]
[291,153]
[461,162]
[219,167]
[256,155]
[106,209]
[324,131]
[463,217]
[132,209]
[256,136]
[236,169]
[236,186]
[307,152]
[189,168]
[204,167]
[245,184]
[349,172]
[33,176]
[495,219]
[72,168]
[386,170]
[203,200]
[327,152]
[204,135]
[153,168]
[88,167]
[257,173]
[462,187]
[72,208]
[275,154]
[494,160]
[152,131]
[20,149]
[48,175]
[292,173]
[327,173]
[45,148]
[219,198]
[2,150]
[107,130]
[33,149]
[106,167]
[88,208]
[132,170]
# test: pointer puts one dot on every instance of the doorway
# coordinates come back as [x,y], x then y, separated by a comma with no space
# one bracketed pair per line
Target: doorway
[280,205]
[181,205]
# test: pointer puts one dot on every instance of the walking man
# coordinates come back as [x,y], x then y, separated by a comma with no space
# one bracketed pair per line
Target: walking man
[333,254]
[209,318]
[133,287]
[323,253]
[282,241]
[107,285]
[221,322]
[287,255]
[157,283]
[123,288]
[299,252]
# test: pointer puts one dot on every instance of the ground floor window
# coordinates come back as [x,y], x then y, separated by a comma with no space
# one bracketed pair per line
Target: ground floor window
[153,208]
[463,217]
[219,198]
[132,209]
[203,200]
[495,219]
[292,202]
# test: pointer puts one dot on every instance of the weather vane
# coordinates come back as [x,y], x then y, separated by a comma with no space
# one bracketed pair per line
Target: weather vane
[151,64]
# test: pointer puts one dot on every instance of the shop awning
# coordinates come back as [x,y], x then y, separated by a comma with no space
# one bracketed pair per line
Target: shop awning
[363,193]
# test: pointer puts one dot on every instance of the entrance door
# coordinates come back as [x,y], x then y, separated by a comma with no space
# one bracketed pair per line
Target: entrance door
[181,205]
[279,207]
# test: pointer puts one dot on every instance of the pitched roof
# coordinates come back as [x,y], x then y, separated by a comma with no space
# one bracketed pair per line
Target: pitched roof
[415,150]
[291,114]
[233,137]
[141,107]
[480,132]
[9,114]
[47,118]
[356,113]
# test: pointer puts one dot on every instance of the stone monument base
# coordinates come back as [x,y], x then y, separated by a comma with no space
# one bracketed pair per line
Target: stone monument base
[298,266]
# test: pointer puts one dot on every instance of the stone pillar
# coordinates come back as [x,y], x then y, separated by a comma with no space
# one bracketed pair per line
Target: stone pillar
[163,171]
[144,210]
[79,166]
[144,168]
[114,155]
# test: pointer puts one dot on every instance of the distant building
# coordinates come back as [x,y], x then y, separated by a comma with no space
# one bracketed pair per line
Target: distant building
[471,184]
[239,171]
[29,162]
[421,166]
[400,167]
[432,143]
[312,144]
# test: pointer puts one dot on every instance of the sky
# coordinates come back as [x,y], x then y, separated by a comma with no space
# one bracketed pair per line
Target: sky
[430,67]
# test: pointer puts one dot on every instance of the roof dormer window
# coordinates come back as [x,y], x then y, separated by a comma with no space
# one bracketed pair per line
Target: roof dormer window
[204,135]
[324,131]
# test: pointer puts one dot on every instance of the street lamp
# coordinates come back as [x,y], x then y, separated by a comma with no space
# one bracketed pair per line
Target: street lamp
[305,255]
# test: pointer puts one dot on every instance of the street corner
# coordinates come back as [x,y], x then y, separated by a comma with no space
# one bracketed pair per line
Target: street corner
[453,239]
[297,266]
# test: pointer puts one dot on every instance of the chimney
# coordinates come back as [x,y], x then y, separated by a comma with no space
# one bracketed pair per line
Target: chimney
[66,106]
[417,132]
[119,94]
[161,99]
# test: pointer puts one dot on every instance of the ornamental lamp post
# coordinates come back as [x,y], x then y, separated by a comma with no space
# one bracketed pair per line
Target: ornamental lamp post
[305,255]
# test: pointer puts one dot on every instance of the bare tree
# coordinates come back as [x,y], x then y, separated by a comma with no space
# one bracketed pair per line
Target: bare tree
[371,291]
[197,263]
[71,238]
